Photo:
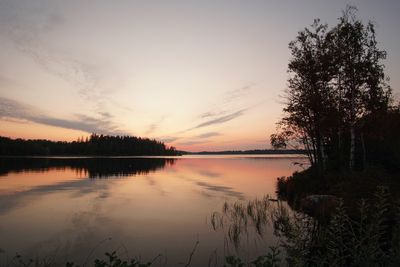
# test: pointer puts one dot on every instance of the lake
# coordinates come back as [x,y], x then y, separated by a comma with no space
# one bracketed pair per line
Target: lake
[76,209]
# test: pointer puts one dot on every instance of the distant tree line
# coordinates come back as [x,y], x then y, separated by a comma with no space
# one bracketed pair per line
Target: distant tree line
[95,145]
[250,152]
[339,105]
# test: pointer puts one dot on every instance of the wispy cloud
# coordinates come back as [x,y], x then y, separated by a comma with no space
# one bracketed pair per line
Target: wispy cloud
[215,121]
[198,139]
[168,139]
[17,110]
[152,127]
[28,24]
[221,119]
[228,98]
[155,125]
[207,135]
[234,94]
[222,112]
[192,142]
[209,114]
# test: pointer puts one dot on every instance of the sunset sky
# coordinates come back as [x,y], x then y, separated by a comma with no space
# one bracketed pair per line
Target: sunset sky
[199,75]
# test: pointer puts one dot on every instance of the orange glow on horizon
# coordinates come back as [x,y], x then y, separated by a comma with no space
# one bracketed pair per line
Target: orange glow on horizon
[239,141]
[30,130]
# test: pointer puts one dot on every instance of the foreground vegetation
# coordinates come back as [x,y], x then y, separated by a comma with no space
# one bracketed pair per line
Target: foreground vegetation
[368,237]
[95,145]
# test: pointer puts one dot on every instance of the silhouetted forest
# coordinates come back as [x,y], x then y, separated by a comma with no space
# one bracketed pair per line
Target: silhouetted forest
[339,105]
[95,145]
[340,108]
[92,167]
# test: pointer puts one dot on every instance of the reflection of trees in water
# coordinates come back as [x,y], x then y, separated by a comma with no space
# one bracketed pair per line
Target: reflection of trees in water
[92,167]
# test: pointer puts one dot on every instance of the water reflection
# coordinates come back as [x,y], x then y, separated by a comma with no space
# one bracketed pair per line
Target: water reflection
[58,206]
[93,167]
[252,219]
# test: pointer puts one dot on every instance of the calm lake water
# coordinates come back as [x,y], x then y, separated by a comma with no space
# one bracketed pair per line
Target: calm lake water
[67,208]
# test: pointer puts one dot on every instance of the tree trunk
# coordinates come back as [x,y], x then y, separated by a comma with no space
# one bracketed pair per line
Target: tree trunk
[364,151]
[320,153]
[352,125]
[323,156]
[352,146]
[340,122]
[308,150]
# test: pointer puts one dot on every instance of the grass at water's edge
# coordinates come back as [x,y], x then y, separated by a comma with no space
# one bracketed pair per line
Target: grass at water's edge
[367,235]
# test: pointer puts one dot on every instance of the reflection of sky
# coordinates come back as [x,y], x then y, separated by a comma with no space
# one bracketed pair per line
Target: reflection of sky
[152,213]
[200,75]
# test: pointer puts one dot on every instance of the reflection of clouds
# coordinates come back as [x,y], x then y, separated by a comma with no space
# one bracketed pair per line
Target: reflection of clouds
[213,188]
[86,231]
[98,167]
[86,228]
[10,202]
[221,189]
[78,188]
[153,183]
[206,194]
[209,174]
[104,195]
